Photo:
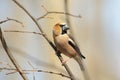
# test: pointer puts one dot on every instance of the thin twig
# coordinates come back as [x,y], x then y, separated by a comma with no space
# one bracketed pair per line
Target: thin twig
[24,32]
[10,19]
[38,70]
[5,64]
[31,65]
[35,70]
[11,72]
[5,68]
[17,66]
[48,40]
[55,12]
[54,73]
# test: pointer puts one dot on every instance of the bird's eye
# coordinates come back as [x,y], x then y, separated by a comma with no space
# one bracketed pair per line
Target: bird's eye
[62,25]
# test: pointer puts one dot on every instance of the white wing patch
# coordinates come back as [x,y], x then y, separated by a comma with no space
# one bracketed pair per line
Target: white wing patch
[71,41]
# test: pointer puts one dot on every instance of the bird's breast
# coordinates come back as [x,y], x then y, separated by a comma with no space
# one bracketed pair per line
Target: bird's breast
[62,44]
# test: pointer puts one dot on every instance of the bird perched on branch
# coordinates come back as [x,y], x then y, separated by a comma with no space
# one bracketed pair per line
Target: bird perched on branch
[66,45]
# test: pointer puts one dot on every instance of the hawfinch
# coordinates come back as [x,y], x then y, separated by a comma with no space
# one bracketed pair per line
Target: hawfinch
[65,44]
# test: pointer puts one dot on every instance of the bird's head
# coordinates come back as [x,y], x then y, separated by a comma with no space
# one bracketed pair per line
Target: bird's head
[60,28]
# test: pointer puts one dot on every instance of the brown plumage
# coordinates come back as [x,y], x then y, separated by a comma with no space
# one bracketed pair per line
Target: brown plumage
[65,44]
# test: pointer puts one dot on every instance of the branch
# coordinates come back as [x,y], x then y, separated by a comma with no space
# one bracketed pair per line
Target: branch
[17,66]
[10,19]
[55,12]
[6,64]
[48,40]
[24,32]
[5,68]
[35,70]
[38,70]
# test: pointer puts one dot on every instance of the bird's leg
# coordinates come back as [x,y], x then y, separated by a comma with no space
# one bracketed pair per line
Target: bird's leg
[64,61]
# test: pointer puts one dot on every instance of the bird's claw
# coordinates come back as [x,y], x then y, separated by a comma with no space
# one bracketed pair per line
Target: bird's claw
[64,61]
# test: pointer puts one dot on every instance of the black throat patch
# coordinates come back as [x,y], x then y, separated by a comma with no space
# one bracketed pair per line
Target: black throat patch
[64,31]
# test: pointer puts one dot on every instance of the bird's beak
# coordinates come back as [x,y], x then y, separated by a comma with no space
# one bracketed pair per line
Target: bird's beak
[65,28]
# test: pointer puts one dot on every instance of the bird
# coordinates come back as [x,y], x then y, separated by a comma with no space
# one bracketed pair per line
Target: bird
[66,44]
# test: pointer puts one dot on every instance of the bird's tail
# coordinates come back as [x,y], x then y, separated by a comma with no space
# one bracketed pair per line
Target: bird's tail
[82,66]
[80,62]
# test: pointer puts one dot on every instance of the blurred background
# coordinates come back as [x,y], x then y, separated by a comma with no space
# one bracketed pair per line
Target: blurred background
[97,33]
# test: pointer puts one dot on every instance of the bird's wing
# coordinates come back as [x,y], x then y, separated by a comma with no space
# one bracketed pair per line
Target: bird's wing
[71,42]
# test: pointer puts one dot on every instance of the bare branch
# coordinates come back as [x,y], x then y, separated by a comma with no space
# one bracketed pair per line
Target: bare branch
[61,74]
[5,64]
[10,19]
[48,40]
[5,68]
[44,8]
[55,12]
[17,66]
[11,72]
[31,65]
[24,32]
[35,70]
